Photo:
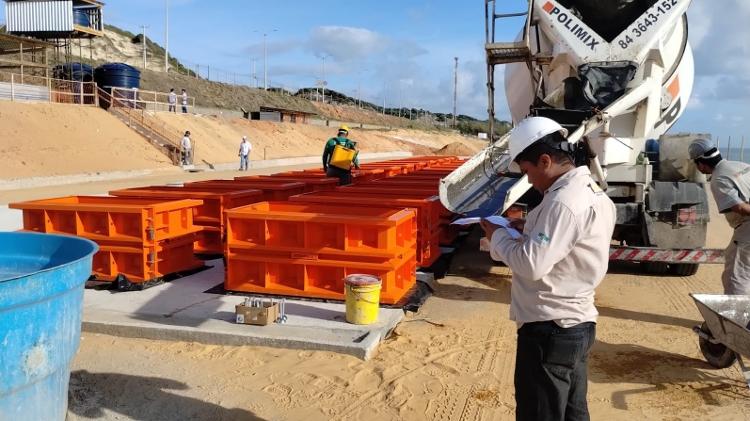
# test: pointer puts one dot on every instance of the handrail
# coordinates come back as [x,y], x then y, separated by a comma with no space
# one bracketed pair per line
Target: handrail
[124,107]
[45,89]
[152,100]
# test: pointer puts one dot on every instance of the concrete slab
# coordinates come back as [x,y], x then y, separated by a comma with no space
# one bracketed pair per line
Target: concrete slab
[183,310]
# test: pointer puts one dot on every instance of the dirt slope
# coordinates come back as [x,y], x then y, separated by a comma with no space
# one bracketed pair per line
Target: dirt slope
[52,139]
[217,138]
[41,140]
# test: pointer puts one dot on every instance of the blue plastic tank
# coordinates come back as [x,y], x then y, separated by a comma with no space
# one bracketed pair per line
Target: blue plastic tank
[117,75]
[79,72]
[81,17]
[41,299]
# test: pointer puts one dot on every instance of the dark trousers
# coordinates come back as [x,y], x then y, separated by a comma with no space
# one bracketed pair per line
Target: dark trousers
[344,176]
[551,371]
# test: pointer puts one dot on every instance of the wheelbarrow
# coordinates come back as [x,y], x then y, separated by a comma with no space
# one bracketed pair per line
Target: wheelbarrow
[724,337]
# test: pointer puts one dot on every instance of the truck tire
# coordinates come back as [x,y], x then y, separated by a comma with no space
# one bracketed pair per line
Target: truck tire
[655,268]
[684,269]
[718,355]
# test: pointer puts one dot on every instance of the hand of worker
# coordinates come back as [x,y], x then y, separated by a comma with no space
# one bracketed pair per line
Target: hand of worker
[488,227]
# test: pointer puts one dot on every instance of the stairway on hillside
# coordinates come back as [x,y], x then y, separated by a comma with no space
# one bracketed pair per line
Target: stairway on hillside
[143,124]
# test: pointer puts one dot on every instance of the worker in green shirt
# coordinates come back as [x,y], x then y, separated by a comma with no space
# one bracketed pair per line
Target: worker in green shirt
[339,155]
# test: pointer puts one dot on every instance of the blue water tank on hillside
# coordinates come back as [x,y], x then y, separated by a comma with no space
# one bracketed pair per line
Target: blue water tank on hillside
[41,301]
[117,75]
[81,17]
[80,72]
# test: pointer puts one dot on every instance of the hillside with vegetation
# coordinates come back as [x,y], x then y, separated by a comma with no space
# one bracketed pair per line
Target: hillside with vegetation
[122,46]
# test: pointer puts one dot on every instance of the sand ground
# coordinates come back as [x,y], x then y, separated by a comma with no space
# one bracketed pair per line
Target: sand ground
[453,360]
[43,140]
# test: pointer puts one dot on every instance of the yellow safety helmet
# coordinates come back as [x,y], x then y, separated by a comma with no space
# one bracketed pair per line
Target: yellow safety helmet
[344,128]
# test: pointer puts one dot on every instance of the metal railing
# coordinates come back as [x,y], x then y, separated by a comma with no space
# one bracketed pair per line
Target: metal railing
[733,148]
[20,87]
[142,121]
[152,101]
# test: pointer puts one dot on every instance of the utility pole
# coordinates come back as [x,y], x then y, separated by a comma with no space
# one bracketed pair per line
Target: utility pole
[144,44]
[265,64]
[400,99]
[166,37]
[324,79]
[265,59]
[455,88]
[255,76]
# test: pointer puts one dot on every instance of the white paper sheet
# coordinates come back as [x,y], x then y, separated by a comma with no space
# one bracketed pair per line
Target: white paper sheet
[494,219]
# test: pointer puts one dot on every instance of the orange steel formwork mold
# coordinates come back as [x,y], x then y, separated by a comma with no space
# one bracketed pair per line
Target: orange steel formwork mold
[210,215]
[389,170]
[140,239]
[272,190]
[107,218]
[312,183]
[427,214]
[401,183]
[291,244]
[314,278]
[358,176]
[145,263]
[374,232]
[447,233]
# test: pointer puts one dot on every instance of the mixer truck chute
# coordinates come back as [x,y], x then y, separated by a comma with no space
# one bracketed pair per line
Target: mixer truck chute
[617,74]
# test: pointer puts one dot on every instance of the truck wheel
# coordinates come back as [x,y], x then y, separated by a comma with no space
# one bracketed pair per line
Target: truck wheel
[655,268]
[718,355]
[684,269]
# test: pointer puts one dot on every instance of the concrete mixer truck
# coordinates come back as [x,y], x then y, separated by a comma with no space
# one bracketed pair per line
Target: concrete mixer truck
[617,74]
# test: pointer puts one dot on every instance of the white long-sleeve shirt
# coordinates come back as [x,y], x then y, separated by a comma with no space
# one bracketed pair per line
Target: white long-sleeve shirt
[186,143]
[563,255]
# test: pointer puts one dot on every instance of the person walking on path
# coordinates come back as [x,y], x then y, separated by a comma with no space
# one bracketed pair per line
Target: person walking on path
[342,171]
[557,263]
[244,153]
[184,101]
[172,101]
[187,149]
[730,186]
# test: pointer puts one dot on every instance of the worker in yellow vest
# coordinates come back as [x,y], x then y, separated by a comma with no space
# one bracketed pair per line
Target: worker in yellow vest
[339,156]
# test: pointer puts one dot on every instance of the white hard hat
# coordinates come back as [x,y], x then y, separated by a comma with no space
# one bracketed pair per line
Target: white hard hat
[528,131]
[702,148]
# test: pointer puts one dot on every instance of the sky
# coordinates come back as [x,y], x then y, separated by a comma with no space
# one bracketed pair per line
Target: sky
[403,51]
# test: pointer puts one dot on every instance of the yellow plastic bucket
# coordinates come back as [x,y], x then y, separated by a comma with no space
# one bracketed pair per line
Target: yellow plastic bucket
[342,157]
[362,294]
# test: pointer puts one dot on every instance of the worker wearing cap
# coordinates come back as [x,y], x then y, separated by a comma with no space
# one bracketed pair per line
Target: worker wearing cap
[341,139]
[244,153]
[558,262]
[730,185]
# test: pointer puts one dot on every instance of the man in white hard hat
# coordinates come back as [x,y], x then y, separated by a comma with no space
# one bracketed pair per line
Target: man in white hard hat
[730,185]
[561,258]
